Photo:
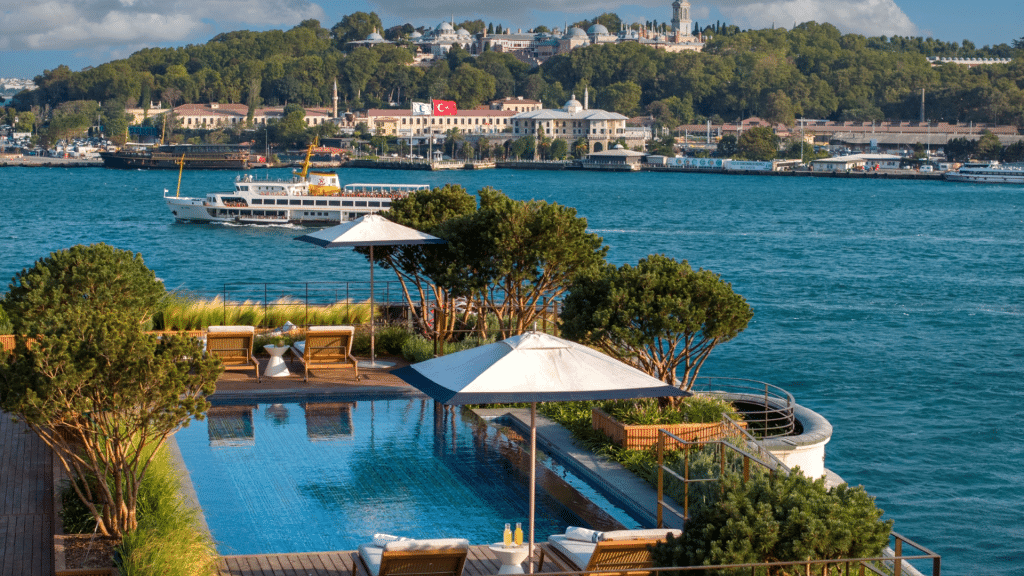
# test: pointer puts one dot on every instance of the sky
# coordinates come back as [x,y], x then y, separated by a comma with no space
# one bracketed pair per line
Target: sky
[39,35]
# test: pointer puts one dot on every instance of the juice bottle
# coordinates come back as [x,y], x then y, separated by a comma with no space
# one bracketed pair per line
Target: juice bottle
[519,533]
[508,535]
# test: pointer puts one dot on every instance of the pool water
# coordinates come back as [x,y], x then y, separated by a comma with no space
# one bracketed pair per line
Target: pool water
[305,477]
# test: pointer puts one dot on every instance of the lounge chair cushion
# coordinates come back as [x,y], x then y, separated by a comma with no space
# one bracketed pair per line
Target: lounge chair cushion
[373,555]
[249,329]
[583,534]
[640,534]
[431,544]
[577,551]
[381,540]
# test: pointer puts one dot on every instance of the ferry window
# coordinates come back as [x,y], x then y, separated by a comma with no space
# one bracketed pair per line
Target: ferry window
[346,203]
[334,203]
[282,202]
[243,188]
[257,201]
[295,202]
[361,203]
[321,202]
[307,202]
[386,203]
[375,204]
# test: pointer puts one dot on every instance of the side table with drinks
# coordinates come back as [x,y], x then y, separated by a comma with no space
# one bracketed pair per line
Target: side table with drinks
[511,556]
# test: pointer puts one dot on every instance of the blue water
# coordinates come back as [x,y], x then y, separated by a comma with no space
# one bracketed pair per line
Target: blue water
[894,309]
[290,477]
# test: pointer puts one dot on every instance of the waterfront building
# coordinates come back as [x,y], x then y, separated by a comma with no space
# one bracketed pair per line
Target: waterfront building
[936,61]
[601,129]
[401,123]
[217,115]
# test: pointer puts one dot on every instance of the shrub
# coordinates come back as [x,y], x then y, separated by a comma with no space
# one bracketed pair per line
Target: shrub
[417,348]
[74,514]
[5,322]
[693,409]
[169,540]
[776,517]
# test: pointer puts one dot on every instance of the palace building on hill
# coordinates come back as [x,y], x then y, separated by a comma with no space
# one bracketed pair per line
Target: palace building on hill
[535,48]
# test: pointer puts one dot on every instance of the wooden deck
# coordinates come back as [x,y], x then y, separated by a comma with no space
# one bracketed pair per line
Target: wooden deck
[26,502]
[481,561]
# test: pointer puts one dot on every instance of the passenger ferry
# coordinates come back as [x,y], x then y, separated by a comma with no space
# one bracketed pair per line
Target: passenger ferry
[994,173]
[308,198]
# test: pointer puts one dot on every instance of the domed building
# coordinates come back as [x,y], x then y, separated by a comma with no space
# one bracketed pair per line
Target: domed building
[572,121]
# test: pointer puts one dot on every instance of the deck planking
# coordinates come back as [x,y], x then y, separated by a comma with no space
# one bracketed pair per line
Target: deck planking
[26,502]
[480,561]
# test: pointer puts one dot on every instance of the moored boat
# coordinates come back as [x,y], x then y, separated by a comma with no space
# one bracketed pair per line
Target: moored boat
[994,173]
[175,156]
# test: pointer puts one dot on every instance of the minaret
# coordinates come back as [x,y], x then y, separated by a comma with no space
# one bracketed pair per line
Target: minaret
[335,97]
[586,98]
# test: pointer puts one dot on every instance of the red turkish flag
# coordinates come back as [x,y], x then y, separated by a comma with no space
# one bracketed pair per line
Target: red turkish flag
[444,108]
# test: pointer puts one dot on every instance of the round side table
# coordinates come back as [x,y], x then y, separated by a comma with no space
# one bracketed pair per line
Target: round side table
[276,368]
[511,558]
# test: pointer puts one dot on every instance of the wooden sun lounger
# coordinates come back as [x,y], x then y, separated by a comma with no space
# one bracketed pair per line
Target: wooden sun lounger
[326,347]
[448,562]
[233,345]
[624,555]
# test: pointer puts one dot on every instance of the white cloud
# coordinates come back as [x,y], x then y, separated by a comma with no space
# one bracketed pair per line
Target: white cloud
[868,17]
[84,24]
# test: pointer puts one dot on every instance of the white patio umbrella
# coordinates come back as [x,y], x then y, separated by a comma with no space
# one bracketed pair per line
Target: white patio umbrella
[370,230]
[532,367]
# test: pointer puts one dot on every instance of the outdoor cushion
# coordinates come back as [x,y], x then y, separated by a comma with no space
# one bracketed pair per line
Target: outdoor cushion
[431,544]
[381,540]
[373,555]
[639,534]
[583,534]
[230,329]
[577,551]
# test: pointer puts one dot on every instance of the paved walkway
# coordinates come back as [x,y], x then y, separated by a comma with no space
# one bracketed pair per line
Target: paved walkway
[26,502]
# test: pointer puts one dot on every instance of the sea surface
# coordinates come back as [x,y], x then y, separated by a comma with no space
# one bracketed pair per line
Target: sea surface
[895,309]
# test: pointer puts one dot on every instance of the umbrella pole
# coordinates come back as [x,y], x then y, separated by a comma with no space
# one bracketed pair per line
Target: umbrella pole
[373,353]
[533,477]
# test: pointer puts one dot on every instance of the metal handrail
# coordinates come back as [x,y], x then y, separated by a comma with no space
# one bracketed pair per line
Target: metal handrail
[775,415]
[895,563]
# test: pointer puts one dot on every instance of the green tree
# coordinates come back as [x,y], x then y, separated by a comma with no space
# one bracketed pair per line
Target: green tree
[581,147]
[422,269]
[988,146]
[470,86]
[559,149]
[622,97]
[523,254]
[779,518]
[115,123]
[758,143]
[292,126]
[355,26]
[727,146]
[660,316]
[93,385]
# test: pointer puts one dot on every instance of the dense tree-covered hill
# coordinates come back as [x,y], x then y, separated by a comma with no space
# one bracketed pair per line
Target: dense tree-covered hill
[812,71]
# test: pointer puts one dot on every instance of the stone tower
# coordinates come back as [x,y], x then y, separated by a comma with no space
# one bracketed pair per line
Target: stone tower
[681,23]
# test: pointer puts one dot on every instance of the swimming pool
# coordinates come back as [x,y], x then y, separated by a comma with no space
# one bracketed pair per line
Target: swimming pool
[316,476]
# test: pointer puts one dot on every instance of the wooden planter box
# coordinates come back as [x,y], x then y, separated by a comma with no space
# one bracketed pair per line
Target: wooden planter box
[644,436]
